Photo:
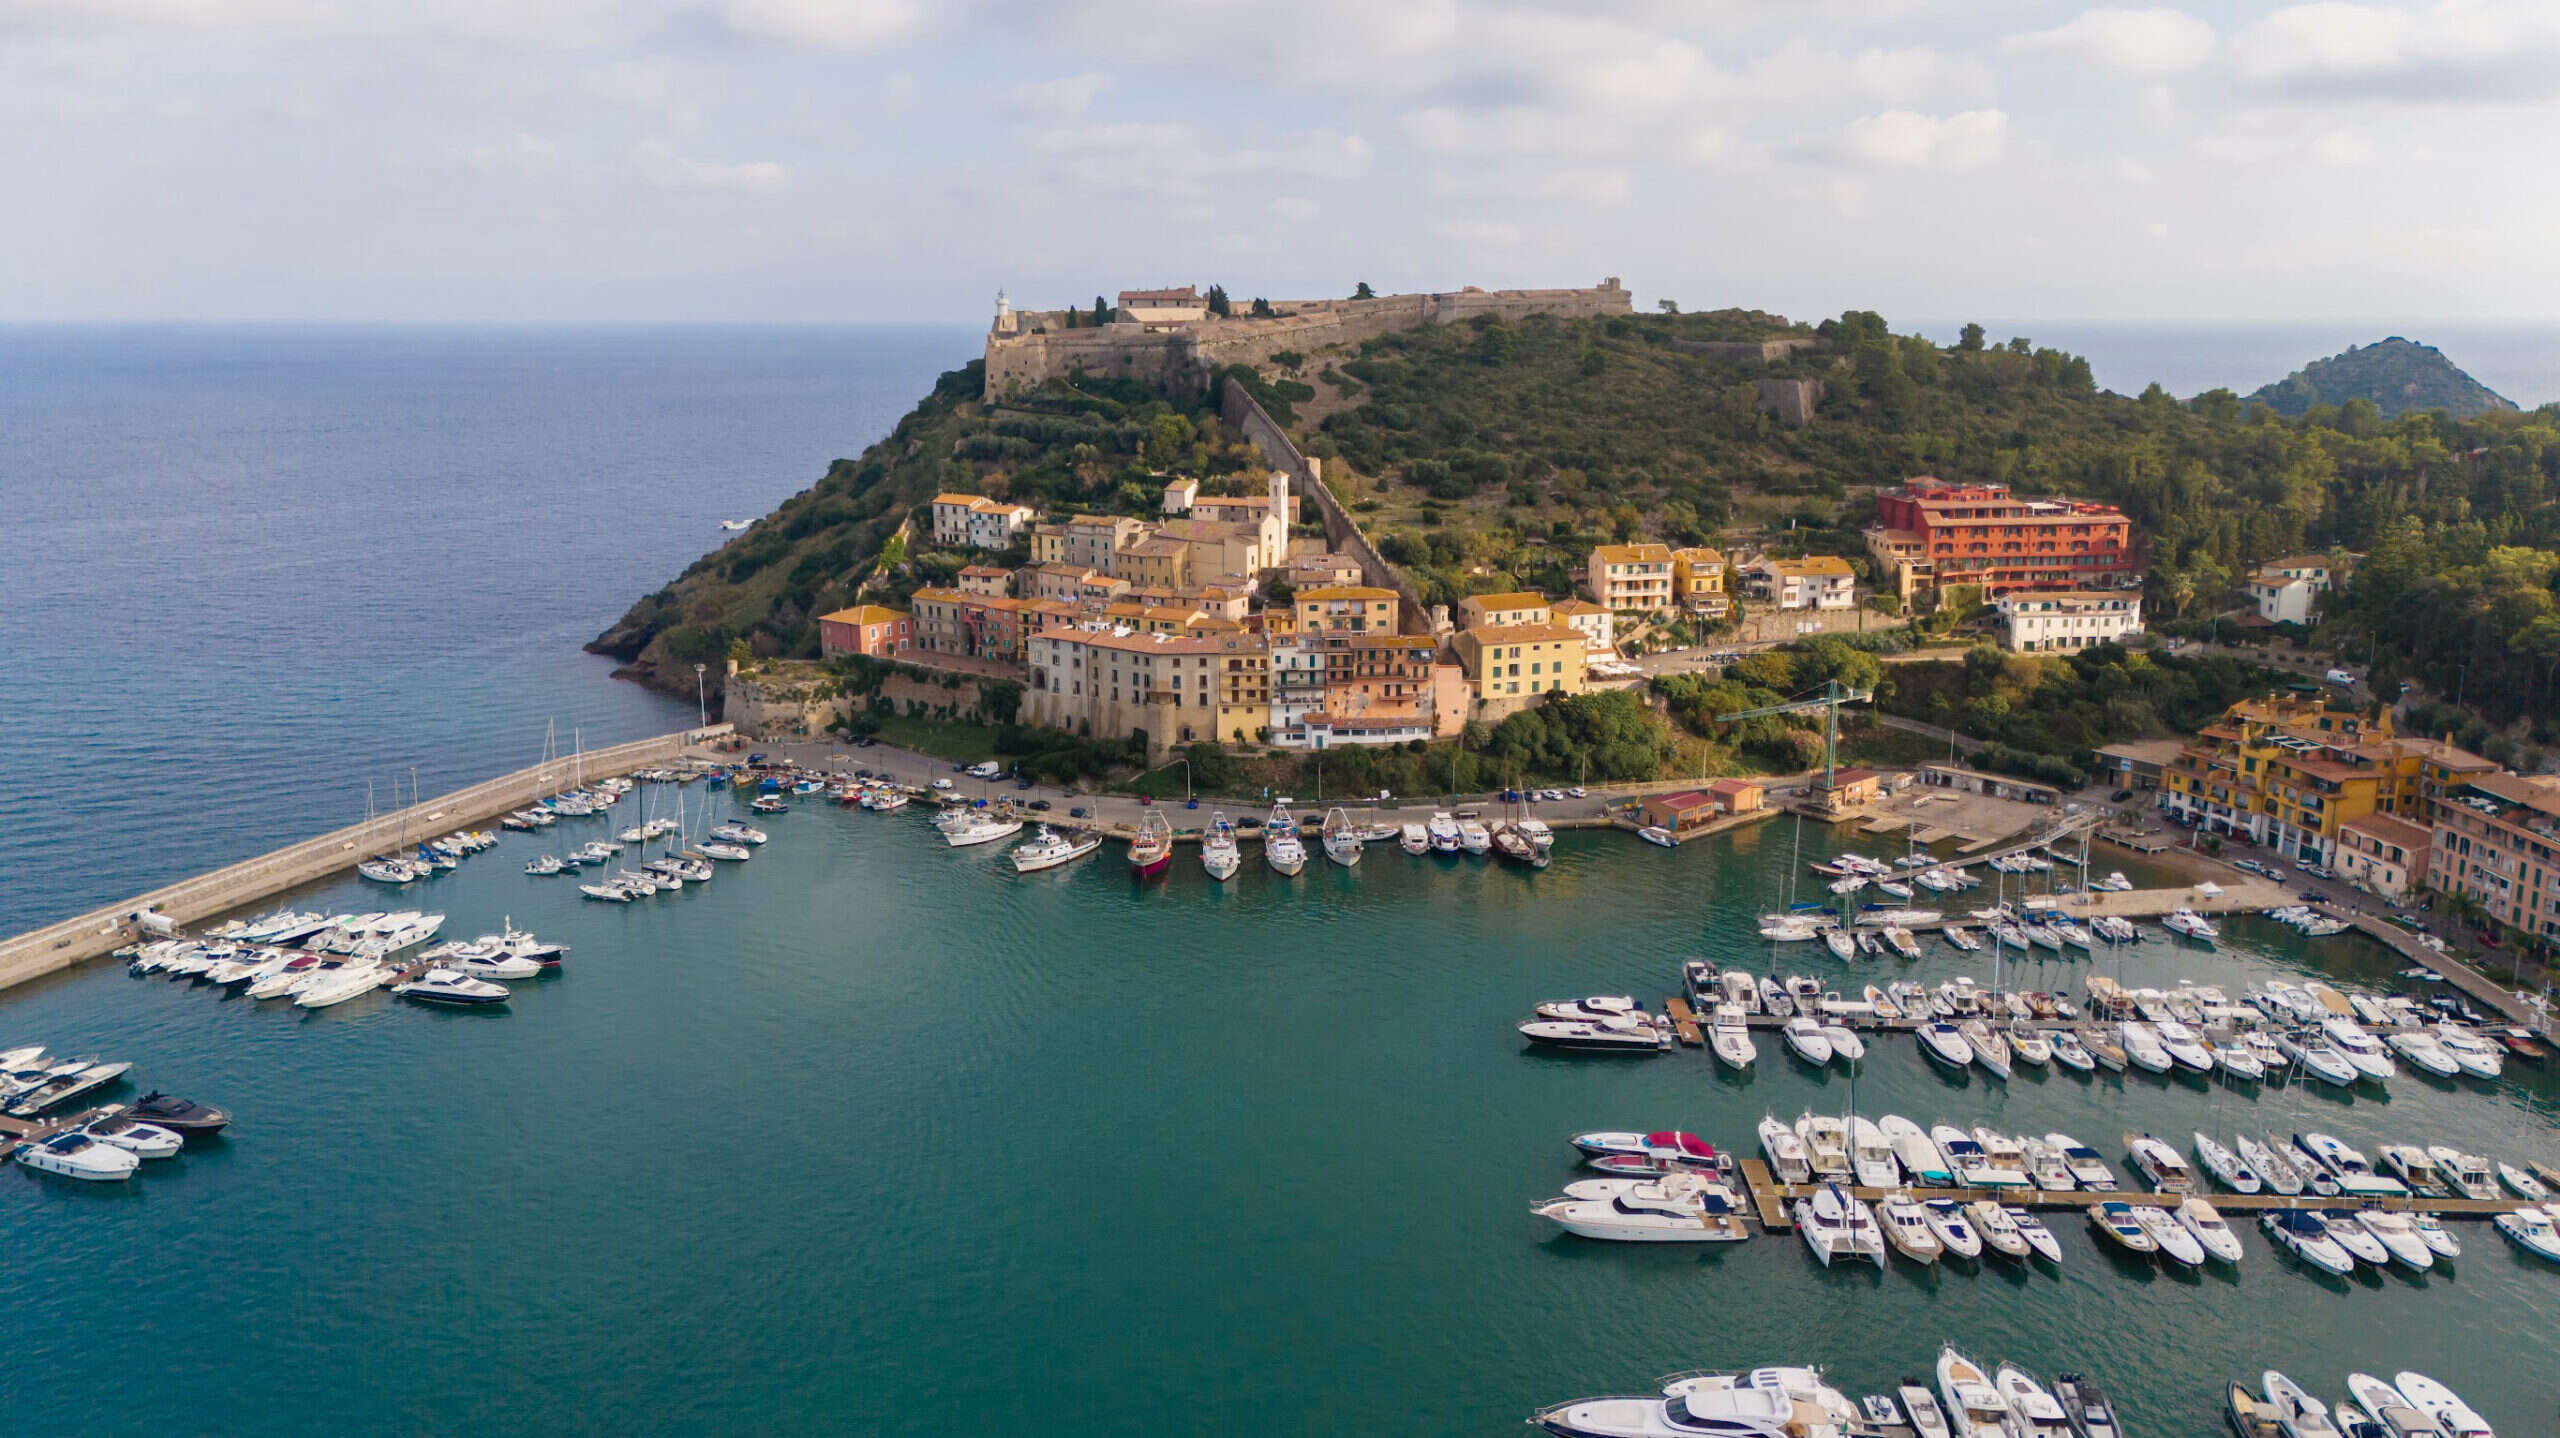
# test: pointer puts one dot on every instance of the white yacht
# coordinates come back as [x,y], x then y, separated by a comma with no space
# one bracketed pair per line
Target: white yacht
[2033,1412]
[357,977]
[2438,1402]
[1906,1226]
[1218,853]
[1788,1161]
[1049,849]
[2088,1168]
[1826,1145]
[2531,1229]
[1836,1226]
[2305,1234]
[2206,1223]
[2466,1173]
[2188,924]
[2349,1038]
[1416,840]
[980,827]
[1919,1155]
[1726,1412]
[74,1154]
[1730,1035]
[1871,1155]
[1999,1233]
[2471,1053]
[1671,1208]
[451,986]
[1804,1036]
[2182,1046]
[1974,1407]
[2399,1237]
[1473,836]
[1443,831]
[146,1140]
[2159,1164]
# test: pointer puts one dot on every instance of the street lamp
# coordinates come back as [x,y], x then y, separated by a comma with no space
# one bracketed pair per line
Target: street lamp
[1186,779]
[701,705]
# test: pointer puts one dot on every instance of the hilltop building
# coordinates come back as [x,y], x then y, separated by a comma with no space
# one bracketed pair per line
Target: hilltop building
[1630,578]
[871,629]
[1930,533]
[973,521]
[1817,581]
[2287,591]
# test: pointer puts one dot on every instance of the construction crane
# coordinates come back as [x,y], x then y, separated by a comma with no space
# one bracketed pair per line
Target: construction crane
[1834,694]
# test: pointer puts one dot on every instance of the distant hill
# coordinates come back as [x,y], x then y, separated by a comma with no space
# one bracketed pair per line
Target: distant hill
[2397,375]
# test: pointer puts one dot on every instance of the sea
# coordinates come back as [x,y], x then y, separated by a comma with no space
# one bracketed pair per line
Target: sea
[874,1135]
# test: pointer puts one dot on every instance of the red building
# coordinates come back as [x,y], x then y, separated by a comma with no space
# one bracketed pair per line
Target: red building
[1982,534]
[864,629]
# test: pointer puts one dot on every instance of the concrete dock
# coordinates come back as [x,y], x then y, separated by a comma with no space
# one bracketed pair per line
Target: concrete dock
[58,946]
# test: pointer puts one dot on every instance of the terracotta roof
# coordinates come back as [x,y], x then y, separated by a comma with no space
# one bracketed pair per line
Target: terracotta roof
[2392,829]
[1685,799]
[1345,591]
[864,614]
[1632,554]
[1517,599]
[1823,564]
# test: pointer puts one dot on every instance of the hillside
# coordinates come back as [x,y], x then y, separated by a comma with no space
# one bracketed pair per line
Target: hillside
[2396,377]
[1090,447]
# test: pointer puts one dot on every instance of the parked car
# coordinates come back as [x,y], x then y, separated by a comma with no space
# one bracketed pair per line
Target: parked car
[1146,801]
[2119,796]
[1578,792]
[1039,806]
[1078,813]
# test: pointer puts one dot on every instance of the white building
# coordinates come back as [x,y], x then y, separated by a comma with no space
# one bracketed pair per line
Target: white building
[1820,581]
[1320,730]
[1297,683]
[2040,623]
[1599,627]
[975,521]
[1178,495]
[2287,591]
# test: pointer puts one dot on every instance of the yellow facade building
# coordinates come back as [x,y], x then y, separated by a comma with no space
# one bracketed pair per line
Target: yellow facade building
[2291,774]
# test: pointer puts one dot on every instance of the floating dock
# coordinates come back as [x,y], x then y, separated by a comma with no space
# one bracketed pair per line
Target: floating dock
[1774,1199]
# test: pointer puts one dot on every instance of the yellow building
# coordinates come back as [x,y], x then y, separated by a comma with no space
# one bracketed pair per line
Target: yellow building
[1697,583]
[1156,562]
[1493,610]
[1631,578]
[1509,665]
[1356,607]
[1244,690]
[2292,773]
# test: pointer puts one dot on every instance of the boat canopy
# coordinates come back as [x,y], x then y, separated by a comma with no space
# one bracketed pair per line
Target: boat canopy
[1687,1143]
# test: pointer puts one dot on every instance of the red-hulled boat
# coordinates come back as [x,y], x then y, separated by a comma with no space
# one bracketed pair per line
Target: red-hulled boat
[1151,852]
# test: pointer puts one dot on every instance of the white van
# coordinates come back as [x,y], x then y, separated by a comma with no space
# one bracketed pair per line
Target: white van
[2342,678]
[987,770]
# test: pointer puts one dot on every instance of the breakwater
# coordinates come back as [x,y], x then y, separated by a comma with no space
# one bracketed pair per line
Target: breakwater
[58,946]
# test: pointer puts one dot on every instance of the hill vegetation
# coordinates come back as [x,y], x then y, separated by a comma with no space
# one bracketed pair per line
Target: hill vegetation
[2396,377]
[1489,456]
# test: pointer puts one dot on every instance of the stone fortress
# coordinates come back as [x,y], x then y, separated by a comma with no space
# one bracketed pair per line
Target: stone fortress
[1168,339]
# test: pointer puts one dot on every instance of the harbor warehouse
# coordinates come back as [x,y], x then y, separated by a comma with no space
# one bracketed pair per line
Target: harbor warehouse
[1679,812]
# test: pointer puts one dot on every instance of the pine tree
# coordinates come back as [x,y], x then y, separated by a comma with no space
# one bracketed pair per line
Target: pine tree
[1218,301]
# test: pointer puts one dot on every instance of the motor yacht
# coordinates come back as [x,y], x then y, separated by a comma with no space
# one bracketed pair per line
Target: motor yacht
[1594,1009]
[2523,1184]
[2188,924]
[2159,1164]
[1906,1226]
[2182,1046]
[1789,1161]
[2349,1038]
[1677,1207]
[353,979]
[1990,1050]
[2115,1220]
[2210,1230]
[1974,1407]
[1945,1046]
[1871,1158]
[2391,1409]
[1730,1036]
[145,1140]
[451,986]
[2169,1236]
[1837,1226]
[2467,1174]
[2069,1052]
[2355,1238]
[1627,1033]
[1921,1160]
[2532,1230]
[2399,1237]
[2470,1053]
[1443,832]
[2142,1047]
[2088,1168]
[2352,1171]
[2028,1045]
[1661,1152]
[1974,1167]
[1846,1046]
[2438,1239]
[1954,1231]
[2409,1163]
[2046,1167]
[2033,1412]
[1826,1146]
[1804,1036]
[2438,1402]
[67,1083]
[2306,1235]
[2296,1412]
[1999,1233]
[1774,998]
[1741,990]
[2316,1057]
[74,1154]
[1282,849]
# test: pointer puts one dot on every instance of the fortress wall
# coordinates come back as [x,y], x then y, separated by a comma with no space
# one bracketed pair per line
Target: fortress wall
[1341,531]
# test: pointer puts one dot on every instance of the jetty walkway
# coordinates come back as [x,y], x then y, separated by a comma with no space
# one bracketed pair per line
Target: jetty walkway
[1772,1199]
[58,946]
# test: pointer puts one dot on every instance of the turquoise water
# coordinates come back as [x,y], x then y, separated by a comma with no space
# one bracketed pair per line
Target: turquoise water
[871,1135]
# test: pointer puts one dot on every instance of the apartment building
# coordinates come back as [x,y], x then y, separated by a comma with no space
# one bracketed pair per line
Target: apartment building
[949,621]
[1982,534]
[1107,682]
[1509,666]
[1493,610]
[2293,773]
[1087,541]
[1630,578]
[975,521]
[2039,621]
[2497,840]
[1698,583]
[1818,581]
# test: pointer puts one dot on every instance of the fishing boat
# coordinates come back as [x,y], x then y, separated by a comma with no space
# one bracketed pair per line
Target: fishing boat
[1541,840]
[1473,836]
[2188,924]
[1049,849]
[1151,848]
[1219,856]
[986,826]
[1341,838]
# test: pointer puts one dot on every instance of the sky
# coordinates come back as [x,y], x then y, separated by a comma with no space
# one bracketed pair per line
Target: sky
[903,160]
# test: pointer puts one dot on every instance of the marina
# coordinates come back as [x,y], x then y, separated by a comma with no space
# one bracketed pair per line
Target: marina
[1428,926]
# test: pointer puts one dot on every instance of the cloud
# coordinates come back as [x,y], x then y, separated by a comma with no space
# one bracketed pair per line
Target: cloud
[658,162]
[524,156]
[1906,139]
[2457,51]
[632,82]
[2142,42]
[1056,100]
[2131,171]
[1897,76]
[2342,150]
[827,24]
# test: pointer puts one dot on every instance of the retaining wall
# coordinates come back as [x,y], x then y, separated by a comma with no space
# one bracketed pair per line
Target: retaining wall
[59,946]
[1341,532]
